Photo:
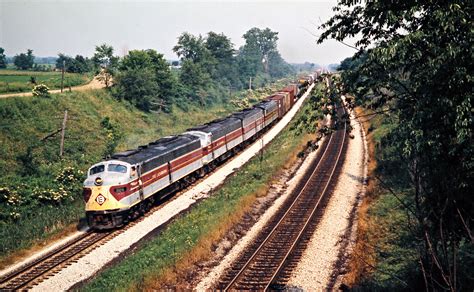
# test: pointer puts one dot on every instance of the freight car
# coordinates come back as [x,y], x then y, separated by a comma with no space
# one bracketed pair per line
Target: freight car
[126,185]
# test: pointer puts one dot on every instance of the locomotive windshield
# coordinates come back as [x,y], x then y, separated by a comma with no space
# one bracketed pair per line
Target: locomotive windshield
[117,168]
[97,169]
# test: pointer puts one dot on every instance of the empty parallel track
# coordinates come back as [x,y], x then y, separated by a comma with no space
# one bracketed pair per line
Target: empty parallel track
[267,263]
[29,275]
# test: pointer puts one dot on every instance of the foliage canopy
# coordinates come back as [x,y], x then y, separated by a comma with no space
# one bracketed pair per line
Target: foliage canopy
[414,63]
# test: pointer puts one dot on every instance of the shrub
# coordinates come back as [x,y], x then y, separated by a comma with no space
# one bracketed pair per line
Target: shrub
[41,90]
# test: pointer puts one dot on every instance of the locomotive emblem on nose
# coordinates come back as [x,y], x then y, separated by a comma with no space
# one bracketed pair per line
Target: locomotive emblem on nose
[98,181]
[100,199]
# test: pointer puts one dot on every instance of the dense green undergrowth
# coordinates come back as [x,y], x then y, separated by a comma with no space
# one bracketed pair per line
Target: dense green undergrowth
[156,257]
[392,237]
[40,192]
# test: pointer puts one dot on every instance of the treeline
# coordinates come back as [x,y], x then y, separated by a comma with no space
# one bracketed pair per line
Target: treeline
[211,68]
[28,61]
[414,67]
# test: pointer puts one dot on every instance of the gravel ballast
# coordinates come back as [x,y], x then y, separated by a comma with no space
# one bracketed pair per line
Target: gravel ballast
[323,261]
[90,264]
[213,276]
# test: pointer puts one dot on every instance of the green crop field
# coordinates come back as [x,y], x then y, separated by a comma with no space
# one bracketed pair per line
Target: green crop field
[12,81]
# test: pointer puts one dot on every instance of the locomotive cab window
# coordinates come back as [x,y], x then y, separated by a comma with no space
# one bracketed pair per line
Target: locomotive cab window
[97,169]
[117,168]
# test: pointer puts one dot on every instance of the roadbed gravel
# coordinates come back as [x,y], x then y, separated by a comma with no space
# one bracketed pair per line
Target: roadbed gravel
[324,261]
[282,188]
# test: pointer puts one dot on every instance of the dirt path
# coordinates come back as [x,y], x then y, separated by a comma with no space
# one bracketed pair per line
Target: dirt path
[94,84]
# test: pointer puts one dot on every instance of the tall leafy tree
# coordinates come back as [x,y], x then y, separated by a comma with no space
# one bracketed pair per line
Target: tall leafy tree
[263,41]
[418,68]
[3,59]
[191,47]
[79,64]
[24,61]
[198,63]
[220,46]
[105,60]
[145,79]
[63,61]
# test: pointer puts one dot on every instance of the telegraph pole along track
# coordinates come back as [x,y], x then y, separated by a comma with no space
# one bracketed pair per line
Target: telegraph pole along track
[269,260]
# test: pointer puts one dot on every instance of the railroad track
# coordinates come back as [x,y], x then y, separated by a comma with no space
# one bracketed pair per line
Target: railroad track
[268,262]
[50,263]
[45,266]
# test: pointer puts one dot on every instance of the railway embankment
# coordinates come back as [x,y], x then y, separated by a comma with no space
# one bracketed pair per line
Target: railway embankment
[172,245]
[49,206]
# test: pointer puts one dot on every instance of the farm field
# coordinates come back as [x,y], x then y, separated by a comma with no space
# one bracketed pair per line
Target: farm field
[12,81]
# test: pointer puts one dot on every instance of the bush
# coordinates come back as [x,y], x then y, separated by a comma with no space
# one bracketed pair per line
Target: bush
[41,90]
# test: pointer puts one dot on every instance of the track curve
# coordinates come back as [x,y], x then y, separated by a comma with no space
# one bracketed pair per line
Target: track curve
[268,262]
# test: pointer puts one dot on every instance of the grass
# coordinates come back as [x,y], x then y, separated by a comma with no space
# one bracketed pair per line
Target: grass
[20,81]
[30,221]
[162,262]
[383,258]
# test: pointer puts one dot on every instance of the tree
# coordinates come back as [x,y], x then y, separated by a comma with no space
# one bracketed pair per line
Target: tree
[24,61]
[80,65]
[63,61]
[418,69]
[194,76]
[262,41]
[222,51]
[145,79]
[105,60]
[260,55]
[198,64]
[3,59]
[277,67]
[220,46]
[191,47]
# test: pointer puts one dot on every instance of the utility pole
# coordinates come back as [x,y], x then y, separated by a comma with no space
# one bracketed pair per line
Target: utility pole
[250,83]
[63,132]
[62,76]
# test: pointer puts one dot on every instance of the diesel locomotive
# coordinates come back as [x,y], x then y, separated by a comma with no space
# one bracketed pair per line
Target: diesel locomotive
[127,184]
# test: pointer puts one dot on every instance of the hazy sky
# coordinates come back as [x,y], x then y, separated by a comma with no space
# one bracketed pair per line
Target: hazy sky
[76,27]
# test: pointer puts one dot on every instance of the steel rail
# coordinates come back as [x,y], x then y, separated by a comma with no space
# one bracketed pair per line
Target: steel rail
[320,165]
[280,267]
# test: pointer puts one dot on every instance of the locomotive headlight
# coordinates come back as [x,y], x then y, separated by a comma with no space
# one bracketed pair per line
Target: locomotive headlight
[98,181]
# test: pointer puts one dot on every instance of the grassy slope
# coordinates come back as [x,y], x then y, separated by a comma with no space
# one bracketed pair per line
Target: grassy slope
[383,257]
[19,80]
[189,238]
[25,121]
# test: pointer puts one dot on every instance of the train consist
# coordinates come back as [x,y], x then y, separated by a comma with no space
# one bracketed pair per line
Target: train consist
[126,185]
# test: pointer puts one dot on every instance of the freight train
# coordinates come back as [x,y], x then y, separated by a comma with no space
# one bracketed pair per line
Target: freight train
[127,184]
